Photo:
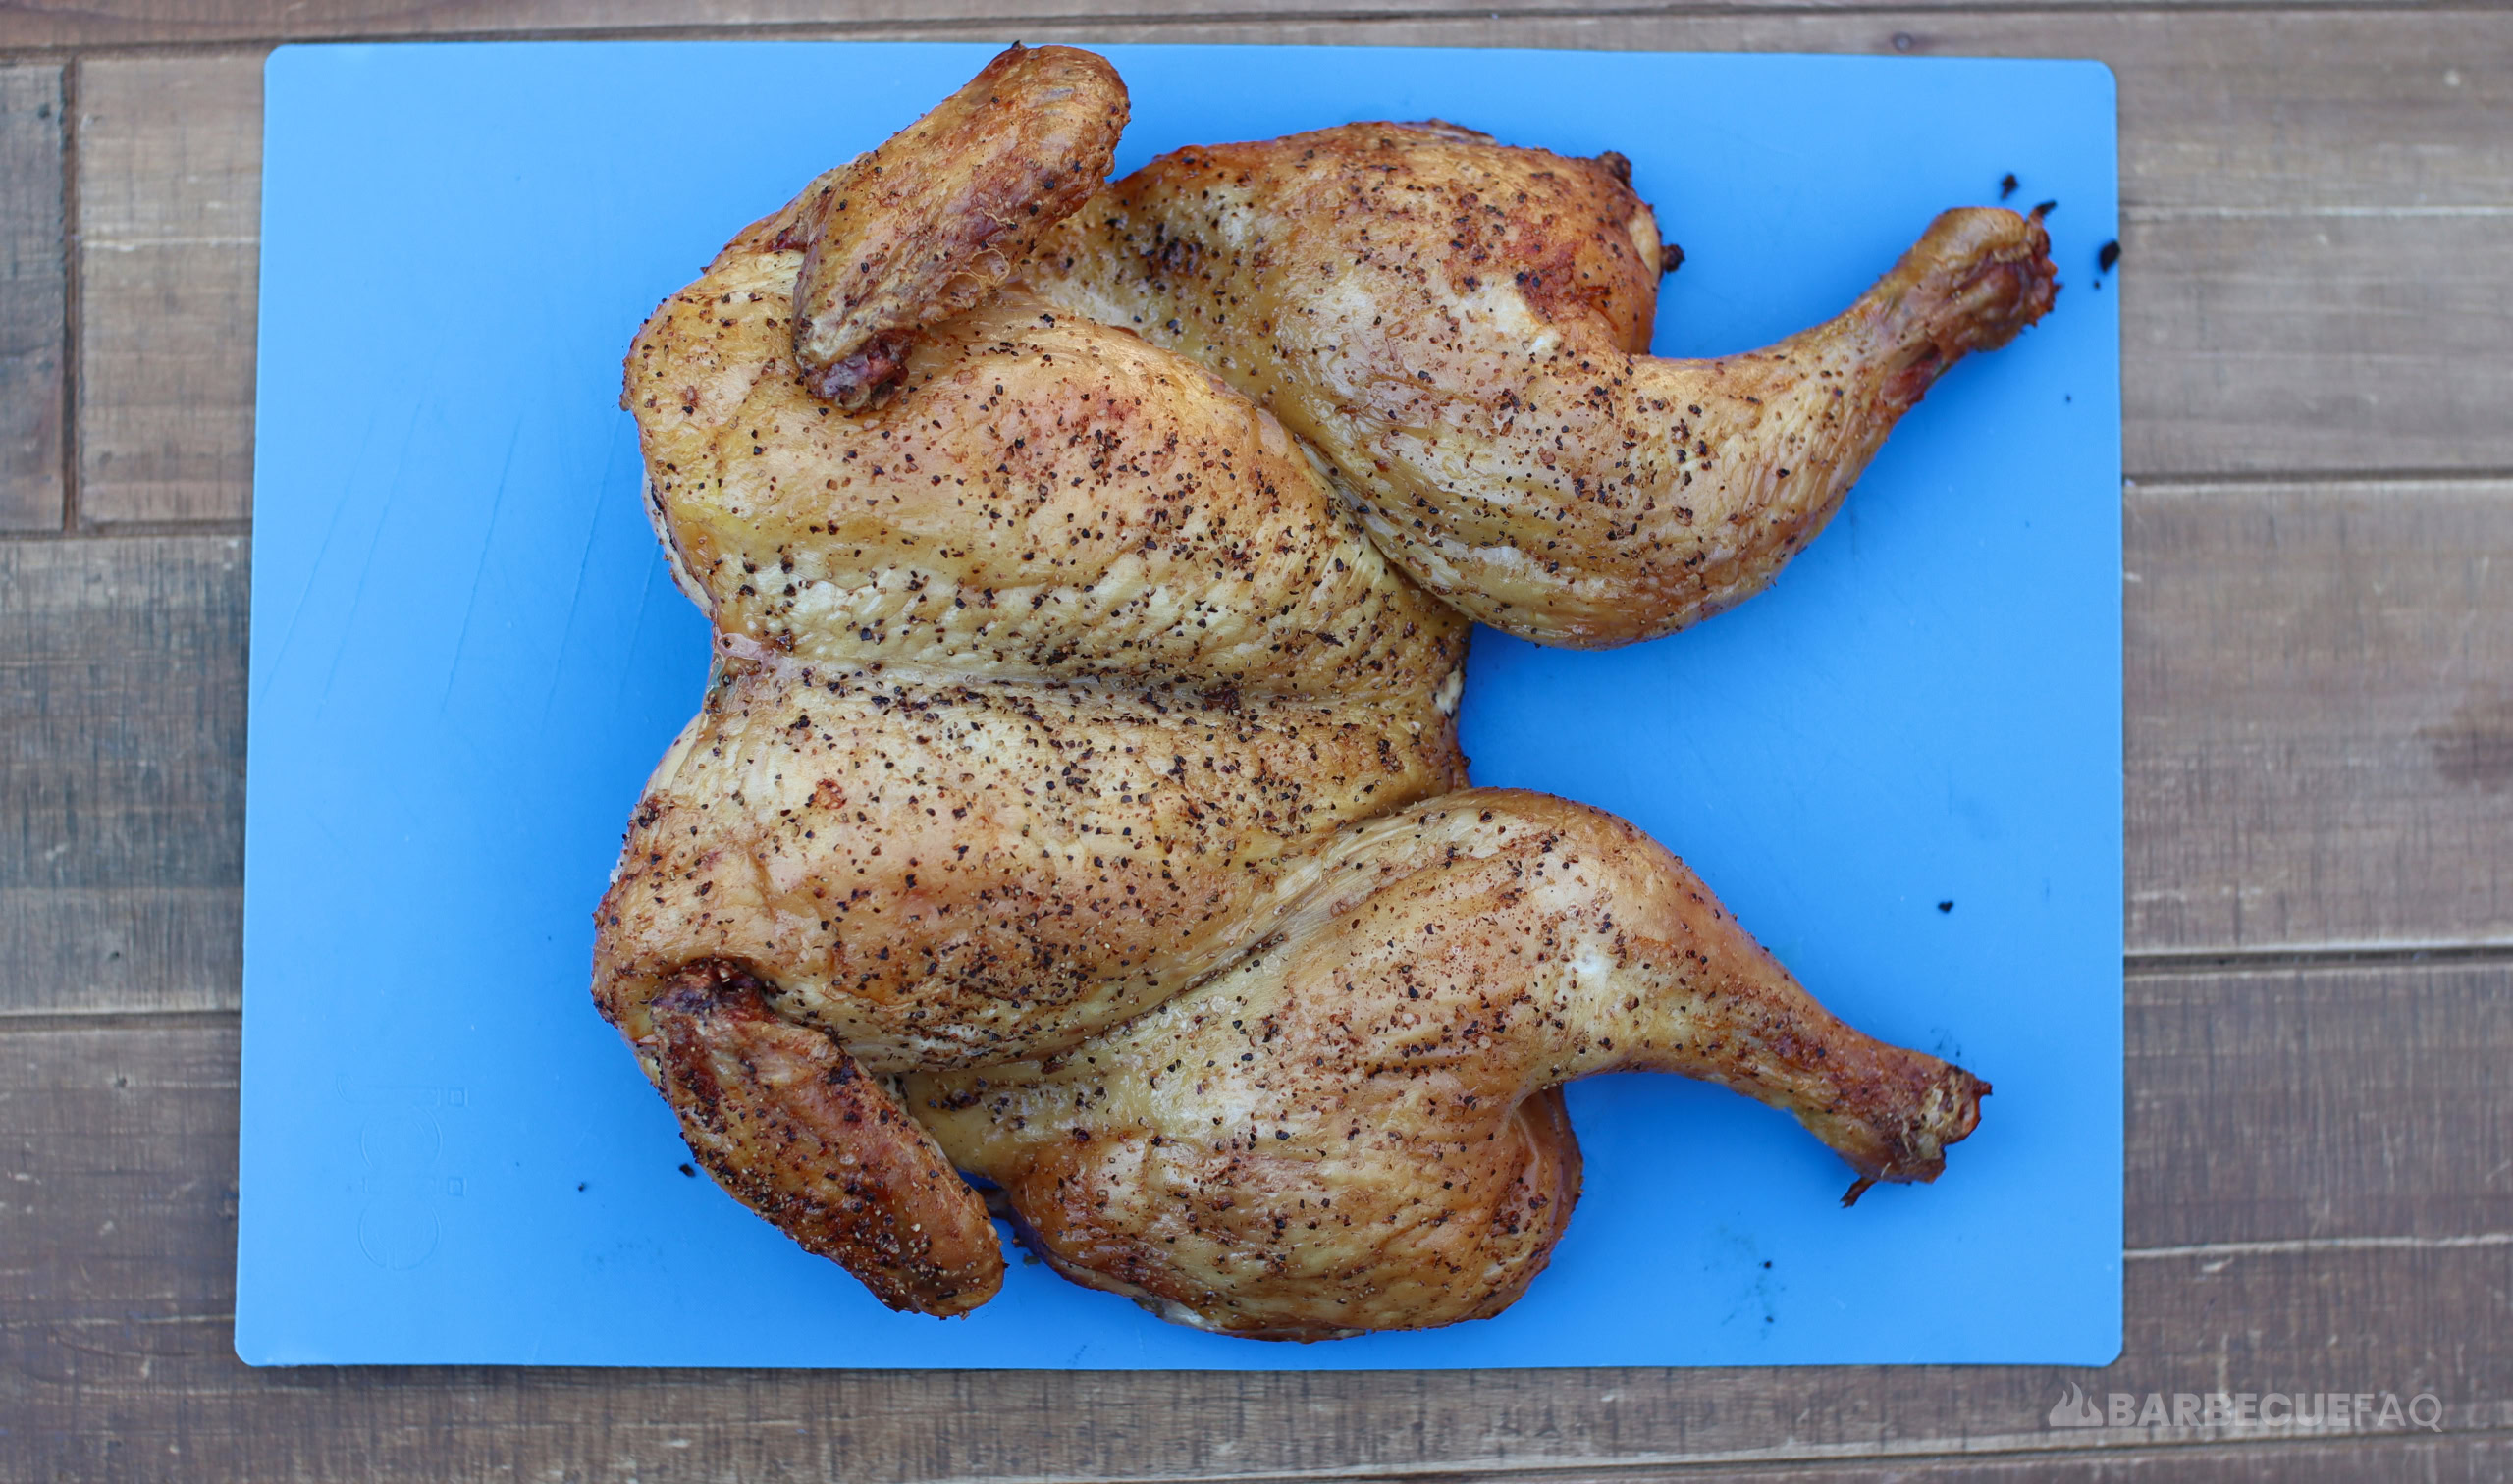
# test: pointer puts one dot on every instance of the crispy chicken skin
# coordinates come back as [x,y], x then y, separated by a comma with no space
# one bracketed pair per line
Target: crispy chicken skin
[1357,1127]
[1066,722]
[1461,329]
[788,1121]
[930,223]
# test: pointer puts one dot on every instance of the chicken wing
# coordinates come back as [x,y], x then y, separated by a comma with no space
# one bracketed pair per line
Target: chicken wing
[1461,329]
[930,223]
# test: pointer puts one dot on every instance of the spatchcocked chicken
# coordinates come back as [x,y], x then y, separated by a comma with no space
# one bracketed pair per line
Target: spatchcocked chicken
[1077,801]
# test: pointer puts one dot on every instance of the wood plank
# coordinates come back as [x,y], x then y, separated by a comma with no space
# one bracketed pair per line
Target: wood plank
[122,947]
[2466,1458]
[122,771]
[117,1229]
[169,154]
[133,23]
[2316,342]
[2222,109]
[2275,106]
[2314,281]
[2321,1105]
[2320,719]
[32,299]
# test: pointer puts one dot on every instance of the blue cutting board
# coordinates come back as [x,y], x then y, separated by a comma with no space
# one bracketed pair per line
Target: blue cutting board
[466,655]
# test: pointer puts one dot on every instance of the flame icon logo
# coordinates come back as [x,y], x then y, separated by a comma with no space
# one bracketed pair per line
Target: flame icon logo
[2076,1410]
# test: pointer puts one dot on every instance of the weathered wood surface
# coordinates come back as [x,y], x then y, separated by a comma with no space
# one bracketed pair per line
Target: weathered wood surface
[2356,1205]
[169,248]
[2318,688]
[2326,1105]
[33,304]
[28,24]
[122,736]
[2318,279]
[2319,343]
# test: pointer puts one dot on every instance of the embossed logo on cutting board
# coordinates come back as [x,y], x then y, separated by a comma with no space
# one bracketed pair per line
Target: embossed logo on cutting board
[400,1140]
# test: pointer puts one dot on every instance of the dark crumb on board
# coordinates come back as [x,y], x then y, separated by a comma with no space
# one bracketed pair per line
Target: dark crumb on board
[1766,1262]
[2106,255]
[580,1184]
[1946,906]
[2045,209]
[2007,185]
[686,1170]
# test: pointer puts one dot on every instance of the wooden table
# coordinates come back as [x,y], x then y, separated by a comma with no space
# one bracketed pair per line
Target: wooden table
[2318,288]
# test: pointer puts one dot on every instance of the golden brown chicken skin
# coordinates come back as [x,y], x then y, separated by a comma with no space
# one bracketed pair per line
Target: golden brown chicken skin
[1060,700]
[791,1124]
[930,224]
[1461,329]
[1358,1127]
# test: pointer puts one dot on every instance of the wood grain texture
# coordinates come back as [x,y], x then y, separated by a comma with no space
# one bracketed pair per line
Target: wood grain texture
[33,286]
[116,1245]
[170,157]
[2314,277]
[2319,689]
[2463,1458]
[2458,1460]
[122,771]
[2320,756]
[2223,107]
[2317,341]
[128,23]
[2326,1105]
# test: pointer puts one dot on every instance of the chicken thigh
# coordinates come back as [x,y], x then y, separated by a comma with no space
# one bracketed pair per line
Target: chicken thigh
[1076,802]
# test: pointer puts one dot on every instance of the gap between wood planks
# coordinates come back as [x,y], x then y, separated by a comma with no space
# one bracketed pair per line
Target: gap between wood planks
[2156,963]
[73,302]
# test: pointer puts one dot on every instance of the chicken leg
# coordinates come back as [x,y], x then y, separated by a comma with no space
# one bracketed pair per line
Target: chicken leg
[1461,329]
[1357,1128]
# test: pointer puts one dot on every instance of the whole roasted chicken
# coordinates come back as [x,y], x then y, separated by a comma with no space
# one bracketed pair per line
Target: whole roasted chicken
[1077,801]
